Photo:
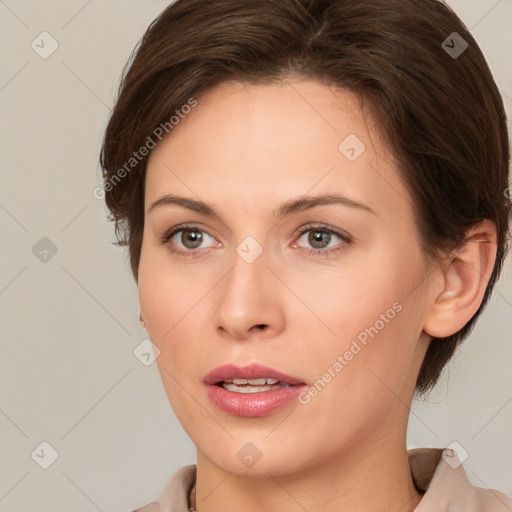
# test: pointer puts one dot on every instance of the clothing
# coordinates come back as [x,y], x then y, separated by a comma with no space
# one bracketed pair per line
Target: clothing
[436,473]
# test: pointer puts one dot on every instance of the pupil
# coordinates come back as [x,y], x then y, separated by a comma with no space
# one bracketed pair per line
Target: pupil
[193,237]
[317,237]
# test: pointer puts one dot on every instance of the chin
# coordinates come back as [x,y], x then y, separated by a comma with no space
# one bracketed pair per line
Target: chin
[256,460]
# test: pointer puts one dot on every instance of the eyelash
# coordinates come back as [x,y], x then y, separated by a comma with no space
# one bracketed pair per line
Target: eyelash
[346,240]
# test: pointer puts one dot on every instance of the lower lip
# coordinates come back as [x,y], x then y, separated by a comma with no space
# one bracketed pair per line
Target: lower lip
[252,404]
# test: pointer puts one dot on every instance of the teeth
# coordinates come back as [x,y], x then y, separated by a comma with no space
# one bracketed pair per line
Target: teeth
[251,388]
[252,385]
[257,382]
[252,382]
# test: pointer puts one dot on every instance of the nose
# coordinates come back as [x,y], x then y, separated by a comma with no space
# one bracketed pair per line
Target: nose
[248,303]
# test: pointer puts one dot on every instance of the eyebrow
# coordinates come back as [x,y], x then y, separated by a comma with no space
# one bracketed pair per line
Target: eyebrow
[287,208]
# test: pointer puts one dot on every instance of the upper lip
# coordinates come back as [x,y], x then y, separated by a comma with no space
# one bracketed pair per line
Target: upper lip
[252,371]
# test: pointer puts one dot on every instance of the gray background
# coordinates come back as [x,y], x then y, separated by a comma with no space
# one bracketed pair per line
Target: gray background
[69,324]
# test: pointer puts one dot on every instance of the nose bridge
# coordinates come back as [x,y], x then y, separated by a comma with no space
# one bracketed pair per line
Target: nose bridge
[246,281]
[247,298]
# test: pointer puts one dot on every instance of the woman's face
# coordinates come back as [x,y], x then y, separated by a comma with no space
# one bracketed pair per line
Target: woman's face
[257,282]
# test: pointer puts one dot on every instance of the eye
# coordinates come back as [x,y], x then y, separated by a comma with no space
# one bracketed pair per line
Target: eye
[323,240]
[188,239]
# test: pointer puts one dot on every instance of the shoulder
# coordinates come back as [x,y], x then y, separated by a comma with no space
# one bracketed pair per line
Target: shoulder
[440,475]
[176,493]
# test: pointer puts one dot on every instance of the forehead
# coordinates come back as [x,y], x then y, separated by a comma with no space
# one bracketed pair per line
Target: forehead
[281,140]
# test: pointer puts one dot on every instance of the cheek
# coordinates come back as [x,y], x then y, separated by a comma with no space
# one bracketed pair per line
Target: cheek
[163,293]
[371,319]
[172,302]
[357,380]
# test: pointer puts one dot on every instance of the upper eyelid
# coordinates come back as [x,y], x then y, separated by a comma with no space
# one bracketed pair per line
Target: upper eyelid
[344,236]
[182,227]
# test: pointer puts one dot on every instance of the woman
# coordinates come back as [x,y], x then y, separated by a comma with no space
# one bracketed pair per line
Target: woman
[313,194]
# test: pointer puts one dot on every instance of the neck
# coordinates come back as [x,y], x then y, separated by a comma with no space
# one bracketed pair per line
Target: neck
[375,477]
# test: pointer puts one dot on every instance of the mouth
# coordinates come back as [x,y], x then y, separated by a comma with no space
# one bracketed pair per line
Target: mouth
[251,391]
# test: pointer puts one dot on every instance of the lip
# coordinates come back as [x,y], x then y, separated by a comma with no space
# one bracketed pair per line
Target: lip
[251,404]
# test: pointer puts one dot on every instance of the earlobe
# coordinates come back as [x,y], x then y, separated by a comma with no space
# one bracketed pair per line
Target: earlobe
[464,280]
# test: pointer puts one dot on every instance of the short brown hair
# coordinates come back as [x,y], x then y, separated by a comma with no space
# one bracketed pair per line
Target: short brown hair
[435,99]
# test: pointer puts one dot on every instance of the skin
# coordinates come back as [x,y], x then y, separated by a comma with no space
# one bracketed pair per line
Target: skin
[245,150]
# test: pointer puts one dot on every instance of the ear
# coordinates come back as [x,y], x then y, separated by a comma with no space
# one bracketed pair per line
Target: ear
[464,279]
